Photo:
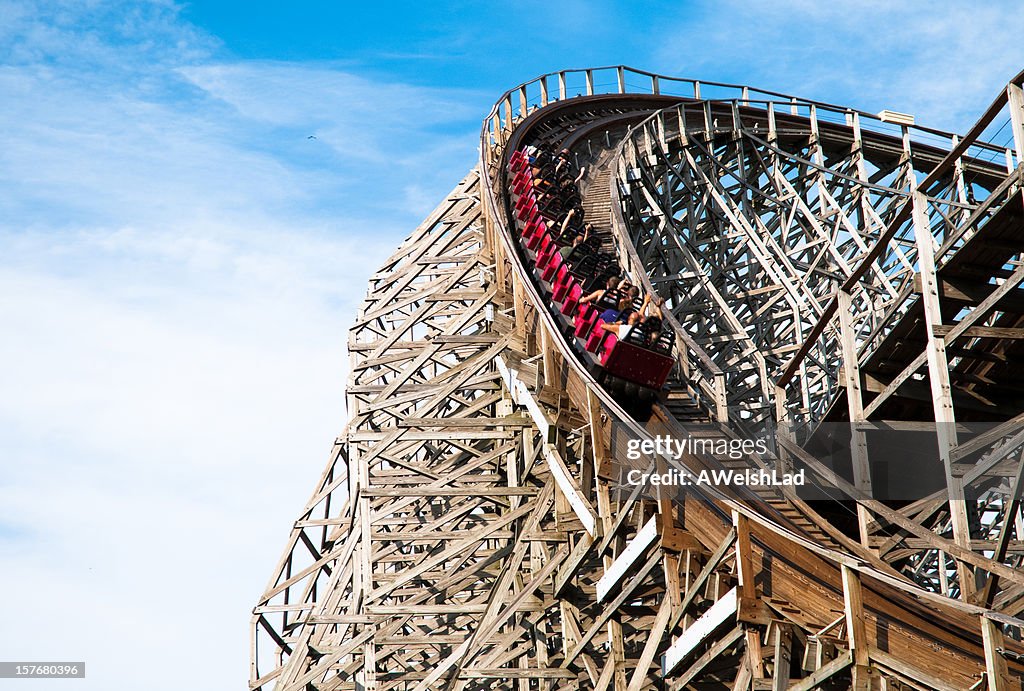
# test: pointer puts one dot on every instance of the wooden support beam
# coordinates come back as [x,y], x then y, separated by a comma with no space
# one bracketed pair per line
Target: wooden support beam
[657,631]
[938,377]
[568,569]
[940,334]
[717,649]
[781,658]
[1011,510]
[522,396]
[981,332]
[825,672]
[855,404]
[751,609]
[714,561]
[973,292]
[996,672]
[571,490]
[608,611]
[629,556]
[856,632]
[705,626]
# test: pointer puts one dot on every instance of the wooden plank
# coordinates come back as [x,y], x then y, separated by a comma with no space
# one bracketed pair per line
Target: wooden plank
[823,673]
[654,636]
[483,490]
[980,332]
[512,673]
[467,422]
[608,611]
[910,670]
[583,509]
[853,608]
[633,551]
[700,630]
[720,646]
[996,673]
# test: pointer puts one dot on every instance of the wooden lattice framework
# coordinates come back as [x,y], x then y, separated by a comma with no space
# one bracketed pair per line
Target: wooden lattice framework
[470,531]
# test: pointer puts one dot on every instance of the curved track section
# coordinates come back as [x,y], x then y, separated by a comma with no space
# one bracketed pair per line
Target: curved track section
[471,531]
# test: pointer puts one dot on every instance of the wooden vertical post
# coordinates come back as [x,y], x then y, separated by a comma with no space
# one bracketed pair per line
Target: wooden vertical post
[509,119]
[747,602]
[996,672]
[721,399]
[853,608]
[781,659]
[1015,98]
[783,429]
[942,396]
[855,402]
[364,564]
[548,359]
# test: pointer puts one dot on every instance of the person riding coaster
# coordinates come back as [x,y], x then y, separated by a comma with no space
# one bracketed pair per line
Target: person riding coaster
[648,318]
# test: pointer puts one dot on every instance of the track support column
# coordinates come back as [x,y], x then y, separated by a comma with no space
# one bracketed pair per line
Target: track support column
[996,673]
[858,438]
[942,396]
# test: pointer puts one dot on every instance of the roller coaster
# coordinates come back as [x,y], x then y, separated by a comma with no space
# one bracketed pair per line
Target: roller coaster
[830,278]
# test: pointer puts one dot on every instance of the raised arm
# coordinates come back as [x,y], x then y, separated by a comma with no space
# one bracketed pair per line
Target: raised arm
[565,223]
[654,306]
[645,305]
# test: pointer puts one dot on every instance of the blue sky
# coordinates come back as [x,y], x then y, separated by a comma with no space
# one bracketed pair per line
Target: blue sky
[179,262]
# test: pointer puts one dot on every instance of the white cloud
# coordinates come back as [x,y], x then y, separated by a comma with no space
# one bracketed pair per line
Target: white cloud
[167,405]
[392,133]
[943,61]
[178,269]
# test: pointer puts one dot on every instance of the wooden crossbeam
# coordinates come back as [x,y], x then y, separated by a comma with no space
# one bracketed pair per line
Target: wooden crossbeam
[700,630]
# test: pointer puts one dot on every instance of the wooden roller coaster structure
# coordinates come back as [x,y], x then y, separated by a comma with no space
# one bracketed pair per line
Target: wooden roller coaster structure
[821,266]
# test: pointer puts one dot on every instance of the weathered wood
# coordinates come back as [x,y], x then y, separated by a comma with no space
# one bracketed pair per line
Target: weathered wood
[719,613]
[629,556]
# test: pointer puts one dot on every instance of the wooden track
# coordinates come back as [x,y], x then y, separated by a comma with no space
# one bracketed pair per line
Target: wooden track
[472,531]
